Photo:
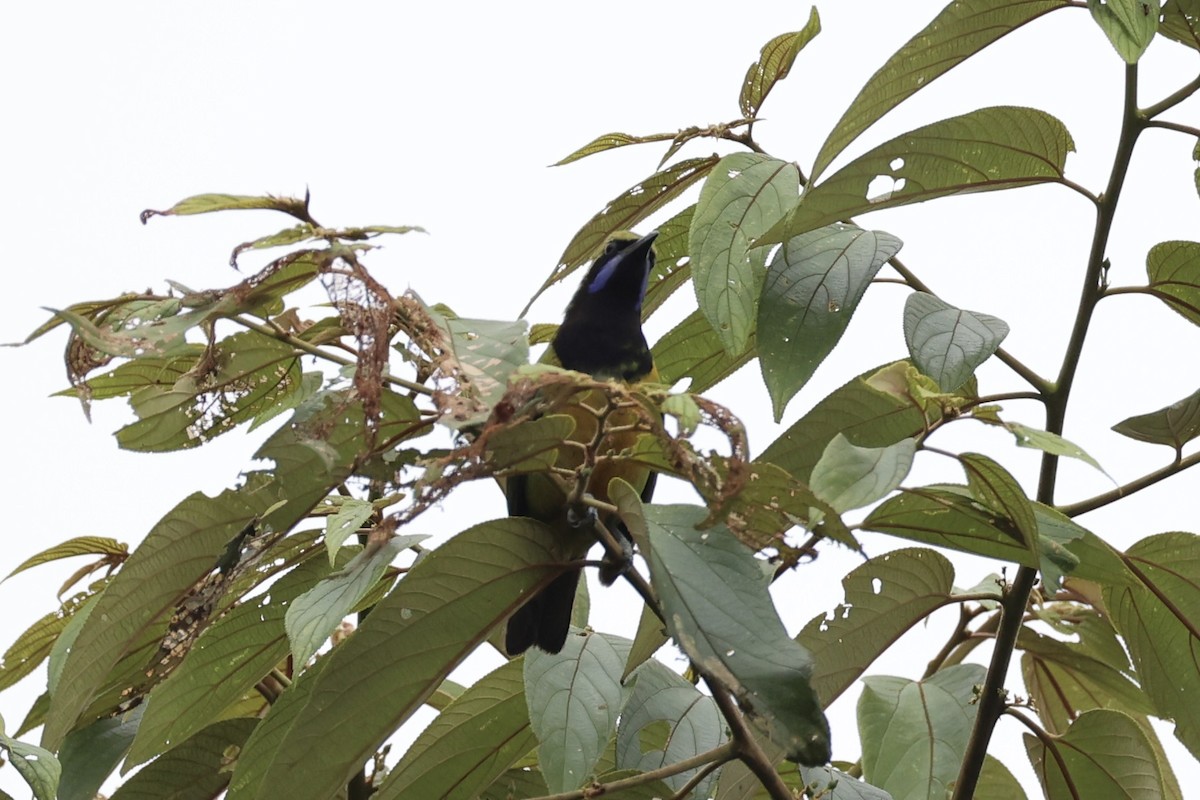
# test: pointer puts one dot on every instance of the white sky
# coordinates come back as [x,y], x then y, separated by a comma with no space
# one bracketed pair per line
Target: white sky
[446,115]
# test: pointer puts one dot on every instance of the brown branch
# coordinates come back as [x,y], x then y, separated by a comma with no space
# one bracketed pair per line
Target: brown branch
[718,755]
[748,750]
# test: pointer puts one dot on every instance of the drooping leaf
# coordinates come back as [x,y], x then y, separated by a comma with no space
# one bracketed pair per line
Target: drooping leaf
[1157,616]
[715,598]
[1174,426]
[574,697]
[1173,269]
[959,31]
[864,415]
[813,285]
[471,743]
[1048,443]
[195,770]
[687,721]
[850,477]
[446,605]
[774,64]
[746,194]
[1103,754]
[948,343]
[1130,25]
[77,546]
[914,733]
[1002,147]
[624,212]
[912,583]
[89,755]
[692,349]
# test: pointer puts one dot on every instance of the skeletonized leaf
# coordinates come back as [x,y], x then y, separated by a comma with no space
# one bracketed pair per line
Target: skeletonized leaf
[948,343]
[1130,25]
[774,64]
[813,285]
[1174,272]
[1103,754]
[746,194]
[849,477]
[714,595]
[914,733]
[483,353]
[960,30]
[1174,426]
[1002,147]
[574,697]
[911,583]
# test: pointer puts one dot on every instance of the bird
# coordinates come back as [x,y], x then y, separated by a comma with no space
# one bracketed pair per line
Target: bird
[601,335]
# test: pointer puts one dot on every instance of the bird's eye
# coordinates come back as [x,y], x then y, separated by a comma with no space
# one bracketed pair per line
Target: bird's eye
[611,248]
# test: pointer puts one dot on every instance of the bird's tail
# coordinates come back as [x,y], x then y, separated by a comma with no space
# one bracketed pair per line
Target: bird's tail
[545,620]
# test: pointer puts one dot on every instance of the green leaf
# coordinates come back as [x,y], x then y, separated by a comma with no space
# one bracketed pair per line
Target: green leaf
[672,267]
[714,595]
[470,744]
[514,783]
[611,141]
[692,349]
[574,697]
[813,285]
[37,766]
[1173,269]
[286,236]
[197,769]
[313,616]
[993,148]
[862,413]
[227,660]
[774,64]
[1157,616]
[89,755]
[997,783]
[1175,425]
[1103,754]
[884,598]
[850,477]
[914,733]
[437,615]
[483,353]
[771,502]
[351,514]
[1181,23]
[1130,25]
[78,546]
[688,724]
[249,374]
[650,637]
[948,343]
[33,646]
[208,203]
[828,783]
[993,486]
[624,212]
[962,29]
[1048,443]
[744,196]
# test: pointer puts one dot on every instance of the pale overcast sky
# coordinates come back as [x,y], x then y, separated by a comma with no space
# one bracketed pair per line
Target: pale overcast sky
[445,115]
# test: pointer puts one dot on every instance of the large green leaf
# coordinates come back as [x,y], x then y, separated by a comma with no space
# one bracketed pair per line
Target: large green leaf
[1130,25]
[948,343]
[1174,272]
[1174,426]
[437,615]
[884,598]
[993,148]
[89,755]
[1157,617]
[692,349]
[574,697]
[1103,754]
[667,720]
[1181,22]
[995,487]
[197,769]
[850,477]
[714,596]
[746,194]
[997,783]
[813,285]
[960,30]
[914,733]
[470,744]
[774,64]
[862,413]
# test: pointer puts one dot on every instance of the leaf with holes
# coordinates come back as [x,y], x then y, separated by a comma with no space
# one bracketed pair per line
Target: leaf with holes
[745,195]
[948,343]
[37,766]
[1174,272]
[1174,426]
[1130,25]
[813,284]
[1002,147]
[774,63]
[1181,22]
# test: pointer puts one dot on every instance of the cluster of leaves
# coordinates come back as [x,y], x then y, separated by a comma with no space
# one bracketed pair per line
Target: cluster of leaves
[217,651]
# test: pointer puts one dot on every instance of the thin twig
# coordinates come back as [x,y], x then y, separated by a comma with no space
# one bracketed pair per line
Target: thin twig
[719,755]
[1136,485]
[748,749]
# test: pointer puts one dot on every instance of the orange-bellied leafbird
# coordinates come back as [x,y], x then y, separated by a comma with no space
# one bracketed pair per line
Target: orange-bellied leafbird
[601,334]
